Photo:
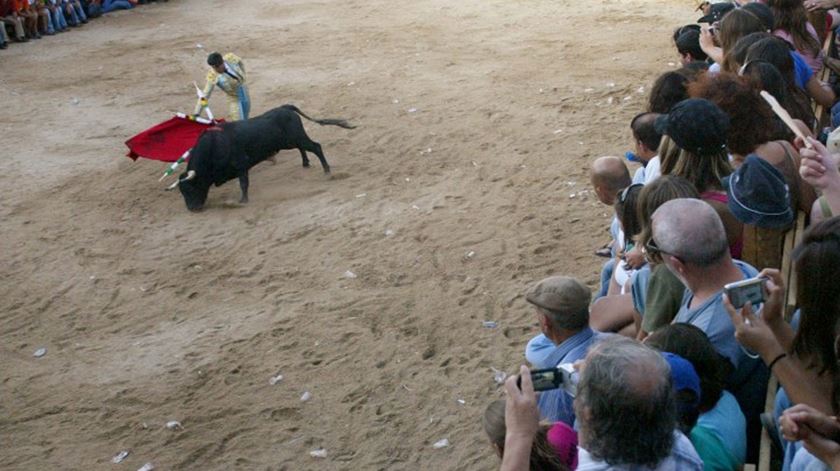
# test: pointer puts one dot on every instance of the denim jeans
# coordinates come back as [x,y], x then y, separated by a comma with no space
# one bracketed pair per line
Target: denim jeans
[111,5]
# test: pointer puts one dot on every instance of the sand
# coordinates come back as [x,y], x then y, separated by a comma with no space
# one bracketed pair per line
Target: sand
[464,183]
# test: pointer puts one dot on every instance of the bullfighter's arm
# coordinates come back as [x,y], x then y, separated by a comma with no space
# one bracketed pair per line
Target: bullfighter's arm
[212,76]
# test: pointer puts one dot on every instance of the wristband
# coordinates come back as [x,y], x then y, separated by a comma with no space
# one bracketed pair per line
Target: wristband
[775,360]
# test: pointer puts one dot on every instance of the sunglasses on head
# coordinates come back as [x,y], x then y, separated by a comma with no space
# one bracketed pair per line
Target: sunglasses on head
[622,197]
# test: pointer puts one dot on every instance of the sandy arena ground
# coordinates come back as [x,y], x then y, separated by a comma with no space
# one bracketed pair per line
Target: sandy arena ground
[464,183]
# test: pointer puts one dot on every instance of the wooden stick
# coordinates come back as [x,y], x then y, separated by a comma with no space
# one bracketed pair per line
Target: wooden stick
[785,116]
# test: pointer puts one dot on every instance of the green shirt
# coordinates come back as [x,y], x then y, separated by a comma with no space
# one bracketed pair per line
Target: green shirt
[713,452]
[663,300]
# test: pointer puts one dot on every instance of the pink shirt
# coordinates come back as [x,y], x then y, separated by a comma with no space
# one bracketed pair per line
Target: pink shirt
[815,62]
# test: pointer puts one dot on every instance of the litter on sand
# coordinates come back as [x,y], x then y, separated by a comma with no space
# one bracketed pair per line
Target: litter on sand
[119,457]
[174,425]
[147,467]
[275,379]
[305,396]
[442,443]
[349,274]
[490,324]
[318,453]
[40,352]
[498,376]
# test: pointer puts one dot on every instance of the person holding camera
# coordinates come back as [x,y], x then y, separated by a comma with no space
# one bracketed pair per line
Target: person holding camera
[626,406]
[562,307]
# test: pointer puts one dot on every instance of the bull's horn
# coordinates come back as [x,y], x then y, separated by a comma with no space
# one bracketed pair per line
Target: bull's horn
[190,176]
[172,186]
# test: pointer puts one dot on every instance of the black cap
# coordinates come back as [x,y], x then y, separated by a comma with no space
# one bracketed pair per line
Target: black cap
[716,12]
[695,125]
[758,194]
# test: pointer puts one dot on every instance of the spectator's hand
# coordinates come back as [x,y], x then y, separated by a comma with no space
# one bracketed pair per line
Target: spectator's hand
[634,259]
[816,430]
[751,331]
[774,296]
[521,414]
[814,5]
[818,166]
[707,39]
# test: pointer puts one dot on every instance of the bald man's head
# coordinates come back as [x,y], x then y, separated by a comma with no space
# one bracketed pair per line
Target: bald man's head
[609,175]
[690,230]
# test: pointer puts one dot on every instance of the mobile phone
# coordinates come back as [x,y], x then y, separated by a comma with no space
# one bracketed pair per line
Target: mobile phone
[562,376]
[746,291]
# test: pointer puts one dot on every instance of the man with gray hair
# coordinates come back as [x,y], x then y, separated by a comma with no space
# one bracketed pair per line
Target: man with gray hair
[689,235]
[627,411]
[562,307]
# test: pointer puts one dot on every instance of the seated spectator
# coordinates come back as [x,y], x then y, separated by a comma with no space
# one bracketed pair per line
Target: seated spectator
[74,11]
[29,15]
[819,433]
[608,176]
[626,411]
[546,454]
[646,140]
[687,40]
[658,295]
[777,52]
[614,312]
[701,129]
[92,8]
[752,131]
[562,307]
[792,25]
[690,238]
[626,404]
[9,17]
[733,26]
[719,435]
[765,76]
[668,90]
[819,168]
[804,361]
[56,21]
[686,391]
[113,5]
[44,17]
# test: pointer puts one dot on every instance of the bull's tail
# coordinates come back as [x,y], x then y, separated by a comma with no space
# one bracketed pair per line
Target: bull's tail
[323,122]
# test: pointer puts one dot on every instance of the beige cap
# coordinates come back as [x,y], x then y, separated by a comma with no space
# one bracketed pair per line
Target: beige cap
[561,295]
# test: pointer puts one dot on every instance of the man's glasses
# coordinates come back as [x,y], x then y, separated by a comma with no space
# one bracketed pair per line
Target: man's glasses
[653,250]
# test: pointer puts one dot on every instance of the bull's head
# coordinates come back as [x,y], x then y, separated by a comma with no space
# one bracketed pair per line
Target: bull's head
[194,190]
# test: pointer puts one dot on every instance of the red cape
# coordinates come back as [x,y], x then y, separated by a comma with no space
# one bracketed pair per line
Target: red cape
[168,140]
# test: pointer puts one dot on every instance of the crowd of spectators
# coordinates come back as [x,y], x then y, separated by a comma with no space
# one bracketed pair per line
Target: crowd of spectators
[25,20]
[668,373]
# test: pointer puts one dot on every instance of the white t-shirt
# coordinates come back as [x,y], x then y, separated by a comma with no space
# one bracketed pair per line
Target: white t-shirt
[652,171]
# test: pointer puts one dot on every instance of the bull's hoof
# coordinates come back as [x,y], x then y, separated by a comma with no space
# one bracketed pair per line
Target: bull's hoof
[306,165]
[243,201]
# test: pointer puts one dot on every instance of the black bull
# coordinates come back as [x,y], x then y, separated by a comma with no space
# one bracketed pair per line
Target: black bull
[229,150]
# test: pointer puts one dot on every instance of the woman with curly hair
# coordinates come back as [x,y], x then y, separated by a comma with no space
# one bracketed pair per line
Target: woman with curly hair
[753,130]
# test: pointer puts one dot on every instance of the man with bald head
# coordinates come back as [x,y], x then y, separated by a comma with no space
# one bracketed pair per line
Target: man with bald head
[627,411]
[609,175]
[690,237]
